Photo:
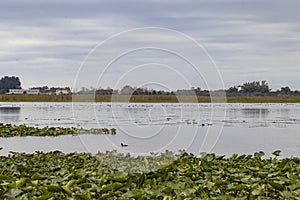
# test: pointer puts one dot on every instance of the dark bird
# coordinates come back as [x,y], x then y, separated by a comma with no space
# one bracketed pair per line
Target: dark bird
[124,145]
[1,148]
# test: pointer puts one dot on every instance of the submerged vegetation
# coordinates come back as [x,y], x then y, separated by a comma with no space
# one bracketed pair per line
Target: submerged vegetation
[109,175]
[9,130]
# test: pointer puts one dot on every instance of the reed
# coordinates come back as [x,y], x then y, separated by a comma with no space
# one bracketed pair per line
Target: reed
[146,98]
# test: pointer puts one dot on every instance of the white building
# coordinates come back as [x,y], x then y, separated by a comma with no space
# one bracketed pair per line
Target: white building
[33,91]
[62,91]
[16,91]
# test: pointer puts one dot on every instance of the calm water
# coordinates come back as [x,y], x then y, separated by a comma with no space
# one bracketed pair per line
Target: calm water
[154,127]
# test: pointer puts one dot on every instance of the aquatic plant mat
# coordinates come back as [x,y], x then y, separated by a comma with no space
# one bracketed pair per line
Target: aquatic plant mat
[109,175]
[9,130]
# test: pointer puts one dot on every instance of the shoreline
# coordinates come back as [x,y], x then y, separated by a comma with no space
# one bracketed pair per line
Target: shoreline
[147,98]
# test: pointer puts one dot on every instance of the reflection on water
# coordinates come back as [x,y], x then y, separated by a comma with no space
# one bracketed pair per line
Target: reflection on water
[9,114]
[255,112]
[8,110]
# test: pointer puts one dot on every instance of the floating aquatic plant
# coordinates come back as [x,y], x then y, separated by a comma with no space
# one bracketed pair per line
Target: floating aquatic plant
[56,175]
[9,130]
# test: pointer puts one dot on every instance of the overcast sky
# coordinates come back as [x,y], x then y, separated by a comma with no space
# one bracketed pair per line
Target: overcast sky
[46,42]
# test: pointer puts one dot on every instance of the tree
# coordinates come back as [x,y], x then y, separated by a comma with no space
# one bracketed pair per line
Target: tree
[285,90]
[7,83]
[264,87]
[232,90]
[255,87]
[127,90]
[107,91]
[139,91]
[198,91]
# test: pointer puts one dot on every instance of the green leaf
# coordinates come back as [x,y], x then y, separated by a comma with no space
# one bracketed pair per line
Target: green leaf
[276,153]
[54,188]
[44,197]
[259,155]
[205,164]
[13,193]
[111,187]
[258,191]
[276,186]
[67,190]
[283,163]
[286,194]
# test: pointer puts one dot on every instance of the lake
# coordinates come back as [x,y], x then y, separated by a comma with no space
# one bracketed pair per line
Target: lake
[155,127]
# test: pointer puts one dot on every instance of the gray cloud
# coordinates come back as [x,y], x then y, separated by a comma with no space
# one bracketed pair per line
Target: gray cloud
[45,42]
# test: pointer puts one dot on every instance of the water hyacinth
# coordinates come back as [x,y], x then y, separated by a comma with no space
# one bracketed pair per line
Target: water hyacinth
[56,175]
[9,130]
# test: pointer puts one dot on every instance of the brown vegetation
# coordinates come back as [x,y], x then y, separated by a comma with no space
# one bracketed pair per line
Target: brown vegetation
[145,98]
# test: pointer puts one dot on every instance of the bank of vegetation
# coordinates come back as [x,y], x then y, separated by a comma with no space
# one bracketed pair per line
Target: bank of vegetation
[159,98]
[109,175]
[249,92]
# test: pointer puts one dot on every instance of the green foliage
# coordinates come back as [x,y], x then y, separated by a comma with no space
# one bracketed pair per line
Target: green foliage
[255,87]
[7,83]
[276,153]
[8,130]
[109,175]
[285,91]
[232,91]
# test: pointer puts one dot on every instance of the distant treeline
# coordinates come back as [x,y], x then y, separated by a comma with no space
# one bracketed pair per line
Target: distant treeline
[255,88]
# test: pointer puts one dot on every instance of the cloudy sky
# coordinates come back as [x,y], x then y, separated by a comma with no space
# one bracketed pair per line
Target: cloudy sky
[48,42]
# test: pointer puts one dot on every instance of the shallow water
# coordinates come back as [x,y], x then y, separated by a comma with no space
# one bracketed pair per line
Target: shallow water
[154,127]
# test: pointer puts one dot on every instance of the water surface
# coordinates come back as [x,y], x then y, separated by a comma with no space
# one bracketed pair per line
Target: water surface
[154,127]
